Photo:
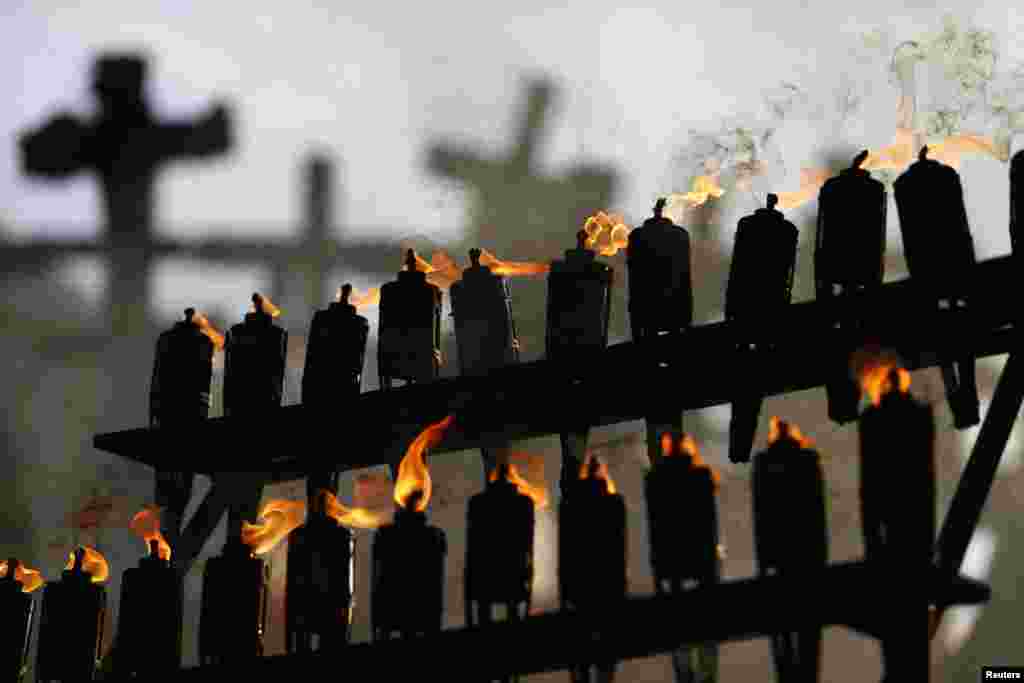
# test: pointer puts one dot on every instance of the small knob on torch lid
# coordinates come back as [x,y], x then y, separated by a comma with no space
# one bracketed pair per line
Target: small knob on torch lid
[79,559]
[581,239]
[346,292]
[659,206]
[474,256]
[154,548]
[772,201]
[189,312]
[923,154]
[860,159]
[257,302]
[410,261]
[12,568]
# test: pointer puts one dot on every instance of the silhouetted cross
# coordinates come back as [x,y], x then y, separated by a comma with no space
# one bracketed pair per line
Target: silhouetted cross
[125,146]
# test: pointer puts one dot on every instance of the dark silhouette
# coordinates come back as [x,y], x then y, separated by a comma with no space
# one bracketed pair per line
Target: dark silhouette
[333,375]
[939,250]
[149,617]
[897,494]
[318,590]
[1017,202]
[592,558]
[233,609]
[579,304]
[759,290]
[683,556]
[409,333]
[849,264]
[19,610]
[660,288]
[791,539]
[71,626]
[499,553]
[408,575]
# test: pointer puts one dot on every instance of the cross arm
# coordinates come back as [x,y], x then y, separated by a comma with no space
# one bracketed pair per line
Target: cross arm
[210,135]
[55,150]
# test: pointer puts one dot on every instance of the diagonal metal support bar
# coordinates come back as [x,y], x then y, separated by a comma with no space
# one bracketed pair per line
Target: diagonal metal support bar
[199,529]
[976,481]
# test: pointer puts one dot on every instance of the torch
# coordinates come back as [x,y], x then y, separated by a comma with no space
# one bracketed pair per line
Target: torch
[681,488]
[660,287]
[233,609]
[760,287]
[179,395]
[407,591]
[578,313]
[940,256]
[318,598]
[335,353]
[848,263]
[897,459]
[485,332]
[71,625]
[150,615]
[16,586]
[791,534]
[592,554]
[499,547]
[409,333]
[1017,202]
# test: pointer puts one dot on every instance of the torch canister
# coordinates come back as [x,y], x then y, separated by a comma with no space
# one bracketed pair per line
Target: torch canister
[71,626]
[333,376]
[318,601]
[592,555]
[254,361]
[499,551]
[150,617]
[791,536]
[482,310]
[1017,202]
[579,307]
[408,575]
[409,330]
[18,608]
[848,264]
[658,269]
[233,609]
[897,461]
[760,287]
[939,250]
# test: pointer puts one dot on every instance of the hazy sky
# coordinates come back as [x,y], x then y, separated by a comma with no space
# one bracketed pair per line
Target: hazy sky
[376,83]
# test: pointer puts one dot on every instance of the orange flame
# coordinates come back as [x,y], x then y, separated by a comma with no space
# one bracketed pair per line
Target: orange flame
[703,188]
[146,525]
[413,475]
[780,429]
[811,180]
[279,517]
[267,306]
[688,445]
[209,330]
[511,268]
[371,298]
[538,494]
[874,374]
[607,233]
[600,471]
[93,563]
[30,579]
[359,518]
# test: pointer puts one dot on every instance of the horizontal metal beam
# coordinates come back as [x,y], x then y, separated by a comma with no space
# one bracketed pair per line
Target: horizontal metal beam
[639,627]
[528,399]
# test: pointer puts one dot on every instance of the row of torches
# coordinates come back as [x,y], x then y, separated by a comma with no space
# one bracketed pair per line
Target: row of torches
[409,555]
[408,595]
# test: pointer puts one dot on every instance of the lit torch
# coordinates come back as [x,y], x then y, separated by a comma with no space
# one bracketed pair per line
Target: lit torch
[409,330]
[681,487]
[592,553]
[149,627]
[335,355]
[790,533]
[760,288]
[940,257]
[72,621]
[254,362]
[606,233]
[408,572]
[18,606]
[897,492]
